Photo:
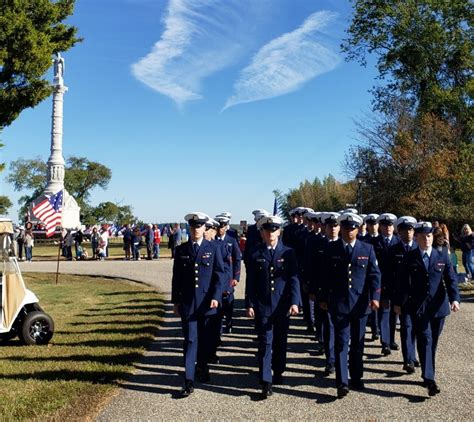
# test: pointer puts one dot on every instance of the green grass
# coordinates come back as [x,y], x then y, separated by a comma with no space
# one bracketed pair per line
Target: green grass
[101,328]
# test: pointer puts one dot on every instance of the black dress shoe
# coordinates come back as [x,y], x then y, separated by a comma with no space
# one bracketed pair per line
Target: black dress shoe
[310,329]
[394,346]
[214,359]
[267,390]
[188,389]
[432,387]
[203,375]
[319,349]
[277,379]
[342,391]
[227,330]
[386,351]
[409,367]
[329,369]
[357,385]
[375,337]
[416,363]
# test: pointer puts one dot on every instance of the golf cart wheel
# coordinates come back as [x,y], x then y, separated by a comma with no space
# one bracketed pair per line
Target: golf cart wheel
[38,328]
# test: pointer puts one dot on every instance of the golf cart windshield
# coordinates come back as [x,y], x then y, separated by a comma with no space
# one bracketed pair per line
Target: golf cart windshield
[12,286]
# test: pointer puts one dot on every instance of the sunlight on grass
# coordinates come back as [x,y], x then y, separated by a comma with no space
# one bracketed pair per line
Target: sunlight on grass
[101,328]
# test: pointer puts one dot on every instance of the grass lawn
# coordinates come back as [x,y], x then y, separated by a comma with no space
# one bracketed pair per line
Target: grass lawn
[101,328]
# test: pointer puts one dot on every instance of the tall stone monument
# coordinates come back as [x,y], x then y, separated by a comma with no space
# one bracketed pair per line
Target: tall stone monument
[71,211]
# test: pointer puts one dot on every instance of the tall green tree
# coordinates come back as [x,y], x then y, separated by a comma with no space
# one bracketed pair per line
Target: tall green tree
[109,212]
[424,51]
[81,177]
[30,32]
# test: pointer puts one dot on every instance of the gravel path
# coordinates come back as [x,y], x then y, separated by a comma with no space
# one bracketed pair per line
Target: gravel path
[150,394]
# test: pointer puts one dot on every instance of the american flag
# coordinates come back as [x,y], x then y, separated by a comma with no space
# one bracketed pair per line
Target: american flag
[49,212]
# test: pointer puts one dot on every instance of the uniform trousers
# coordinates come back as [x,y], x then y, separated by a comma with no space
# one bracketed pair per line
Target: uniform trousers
[348,327]
[407,337]
[383,315]
[318,323]
[198,341]
[227,310]
[427,332]
[328,336]
[393,324]
[272,344]
[374,322]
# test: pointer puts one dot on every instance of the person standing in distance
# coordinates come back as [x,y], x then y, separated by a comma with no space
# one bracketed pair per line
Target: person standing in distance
[427,290]
[272,294]
[350,290]
[197,284]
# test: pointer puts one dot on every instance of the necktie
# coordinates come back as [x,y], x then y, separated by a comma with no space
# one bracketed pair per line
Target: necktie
[387,242]
[195,248]
[349,251]
[272,252]
[426,260]
[407,247]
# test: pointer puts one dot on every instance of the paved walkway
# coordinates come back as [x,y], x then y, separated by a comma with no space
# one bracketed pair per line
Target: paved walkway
[150,394]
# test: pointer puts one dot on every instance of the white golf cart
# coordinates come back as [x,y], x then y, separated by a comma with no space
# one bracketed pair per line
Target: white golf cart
[20,313]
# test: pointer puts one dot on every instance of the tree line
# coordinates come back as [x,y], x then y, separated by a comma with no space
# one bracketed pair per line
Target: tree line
[415,148]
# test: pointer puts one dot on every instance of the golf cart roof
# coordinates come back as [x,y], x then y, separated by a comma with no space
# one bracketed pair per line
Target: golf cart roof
[6,225]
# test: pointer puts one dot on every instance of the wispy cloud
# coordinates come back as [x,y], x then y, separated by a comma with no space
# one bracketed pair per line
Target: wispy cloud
[285,63]
[200,38]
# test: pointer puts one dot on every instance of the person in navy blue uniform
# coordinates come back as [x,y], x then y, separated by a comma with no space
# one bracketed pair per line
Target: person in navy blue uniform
[350,289]
[288,236]
[254,238]
[427,289]
[372,228]
[229,231]
[272,294]
[381,245]
[316,273]
[197,285]
[406,231]
[233,262]
[310,253]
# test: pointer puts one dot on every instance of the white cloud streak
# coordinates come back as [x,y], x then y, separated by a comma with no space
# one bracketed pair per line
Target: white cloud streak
[200,38]
[286,63]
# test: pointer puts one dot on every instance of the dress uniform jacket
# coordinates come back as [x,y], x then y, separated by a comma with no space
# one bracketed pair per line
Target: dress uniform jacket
[253,240]
[427,293]
[197,279]
[350,283]
[233,259]
[385,263]
[272,282]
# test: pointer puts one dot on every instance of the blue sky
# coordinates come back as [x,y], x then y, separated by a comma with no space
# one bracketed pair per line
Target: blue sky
[203,104]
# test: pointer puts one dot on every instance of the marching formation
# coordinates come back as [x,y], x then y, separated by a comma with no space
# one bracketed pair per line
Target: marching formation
[322,263]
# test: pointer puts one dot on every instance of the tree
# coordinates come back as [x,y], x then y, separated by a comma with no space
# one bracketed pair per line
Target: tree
[424,50]
[81,177]
[30,32]
[5,202]
[328,195]
[414,165]
[108,212]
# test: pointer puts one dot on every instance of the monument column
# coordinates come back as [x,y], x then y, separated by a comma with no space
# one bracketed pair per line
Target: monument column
[56,163]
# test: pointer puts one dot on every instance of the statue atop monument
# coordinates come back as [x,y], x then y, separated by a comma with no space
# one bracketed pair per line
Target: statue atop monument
[58,62]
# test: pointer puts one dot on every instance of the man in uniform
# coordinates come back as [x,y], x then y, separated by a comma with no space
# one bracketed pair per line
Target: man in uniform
[427,290]
[372,228]
[229,231]
[197,285]
[381,245]
[331,234]
[350,289]
[233,262]
[406,230]
[253,234]
[272,294]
